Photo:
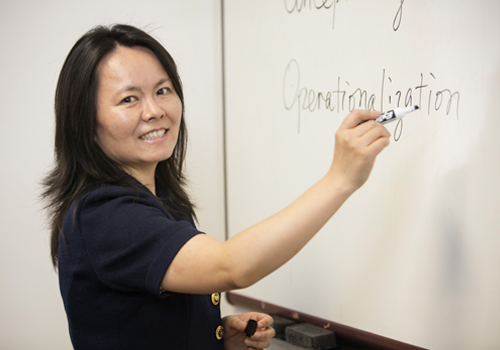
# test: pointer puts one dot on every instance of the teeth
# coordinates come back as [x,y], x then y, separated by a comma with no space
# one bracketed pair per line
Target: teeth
[153,135]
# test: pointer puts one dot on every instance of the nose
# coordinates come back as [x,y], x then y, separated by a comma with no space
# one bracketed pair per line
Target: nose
[151,110]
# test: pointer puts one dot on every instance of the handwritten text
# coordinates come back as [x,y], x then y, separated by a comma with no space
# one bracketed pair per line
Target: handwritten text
[344,97]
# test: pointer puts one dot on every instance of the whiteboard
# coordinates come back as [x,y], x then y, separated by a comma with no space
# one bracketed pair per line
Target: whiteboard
[413,255]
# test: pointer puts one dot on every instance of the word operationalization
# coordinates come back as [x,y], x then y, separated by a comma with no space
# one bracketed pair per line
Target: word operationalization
[292,6]
[344,96]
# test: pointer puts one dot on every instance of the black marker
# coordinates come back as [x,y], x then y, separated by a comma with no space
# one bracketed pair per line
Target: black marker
[393,115]
[251,328]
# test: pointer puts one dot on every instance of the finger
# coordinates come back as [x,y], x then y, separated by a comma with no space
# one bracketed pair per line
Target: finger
[253,343]
[365,127]
[265,321]
[378,145]
[267,333]
[372,134]
[357,115]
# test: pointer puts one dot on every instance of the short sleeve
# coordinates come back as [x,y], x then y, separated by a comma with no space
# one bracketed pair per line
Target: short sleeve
[129,237]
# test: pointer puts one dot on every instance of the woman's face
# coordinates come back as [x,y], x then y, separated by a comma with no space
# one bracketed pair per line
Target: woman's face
[138,110]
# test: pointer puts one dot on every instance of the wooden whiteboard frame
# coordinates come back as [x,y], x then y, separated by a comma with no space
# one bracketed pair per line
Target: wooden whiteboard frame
[343,332]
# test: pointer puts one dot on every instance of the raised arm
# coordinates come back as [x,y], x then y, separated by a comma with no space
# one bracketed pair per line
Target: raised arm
[205,265]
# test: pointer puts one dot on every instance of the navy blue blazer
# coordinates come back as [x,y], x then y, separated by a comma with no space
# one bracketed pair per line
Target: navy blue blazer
[118,245]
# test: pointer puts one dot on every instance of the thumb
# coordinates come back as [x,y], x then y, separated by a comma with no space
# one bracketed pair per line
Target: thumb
[234,322]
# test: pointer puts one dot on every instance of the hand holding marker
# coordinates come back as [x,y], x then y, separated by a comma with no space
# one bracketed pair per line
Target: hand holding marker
[395,114]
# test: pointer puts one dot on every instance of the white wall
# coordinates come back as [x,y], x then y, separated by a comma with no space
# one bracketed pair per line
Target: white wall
[36,37]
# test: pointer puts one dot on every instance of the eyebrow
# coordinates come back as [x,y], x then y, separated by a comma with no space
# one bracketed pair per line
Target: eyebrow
[163,80]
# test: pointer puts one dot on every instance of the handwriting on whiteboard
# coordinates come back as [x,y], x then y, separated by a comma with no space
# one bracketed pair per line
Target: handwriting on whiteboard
[344,97]
[292,6]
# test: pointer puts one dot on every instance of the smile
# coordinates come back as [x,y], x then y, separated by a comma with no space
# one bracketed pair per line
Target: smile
[153,135]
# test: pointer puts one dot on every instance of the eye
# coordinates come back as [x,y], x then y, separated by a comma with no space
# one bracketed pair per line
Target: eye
[164,91]
[129,99]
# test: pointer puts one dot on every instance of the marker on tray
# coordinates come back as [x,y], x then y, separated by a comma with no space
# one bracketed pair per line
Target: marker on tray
[395,114]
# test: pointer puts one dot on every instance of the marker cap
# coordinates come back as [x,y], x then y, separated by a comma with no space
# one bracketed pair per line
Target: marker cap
[251,328]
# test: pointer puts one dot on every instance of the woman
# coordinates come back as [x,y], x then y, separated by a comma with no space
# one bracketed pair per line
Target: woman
[134,271]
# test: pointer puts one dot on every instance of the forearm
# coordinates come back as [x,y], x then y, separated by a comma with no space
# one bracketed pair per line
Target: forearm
[267,245]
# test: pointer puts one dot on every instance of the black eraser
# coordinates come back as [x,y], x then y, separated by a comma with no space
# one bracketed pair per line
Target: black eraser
[251,328]
[310,337]
[280,324]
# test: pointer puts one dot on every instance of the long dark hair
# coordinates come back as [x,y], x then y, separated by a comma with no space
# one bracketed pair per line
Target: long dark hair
[79,161]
